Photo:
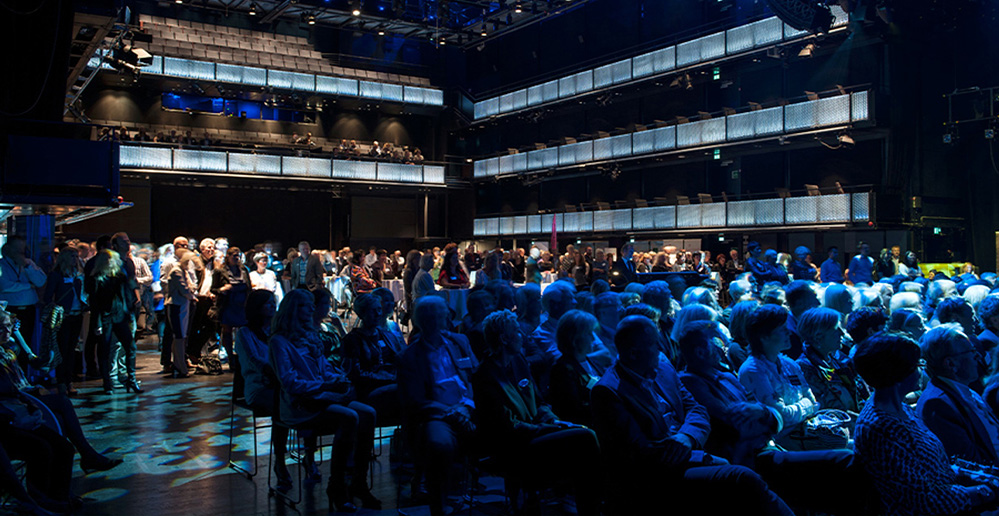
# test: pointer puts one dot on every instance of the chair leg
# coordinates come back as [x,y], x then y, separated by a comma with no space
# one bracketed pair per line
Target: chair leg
[277,493]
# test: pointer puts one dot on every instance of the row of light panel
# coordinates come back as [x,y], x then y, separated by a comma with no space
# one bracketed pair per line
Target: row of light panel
[213,161]
[252,76]
[823,209]
[734,41]
[801,116]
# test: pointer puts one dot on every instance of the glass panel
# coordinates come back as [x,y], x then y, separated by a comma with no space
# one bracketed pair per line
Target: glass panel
[205,161]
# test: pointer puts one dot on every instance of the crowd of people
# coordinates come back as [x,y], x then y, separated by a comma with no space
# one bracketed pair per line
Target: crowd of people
[346,149]
[573,372]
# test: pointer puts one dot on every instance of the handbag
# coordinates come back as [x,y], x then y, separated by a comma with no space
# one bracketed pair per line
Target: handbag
[829,429]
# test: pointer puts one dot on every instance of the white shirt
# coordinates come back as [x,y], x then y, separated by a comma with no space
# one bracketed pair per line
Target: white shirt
[267,281]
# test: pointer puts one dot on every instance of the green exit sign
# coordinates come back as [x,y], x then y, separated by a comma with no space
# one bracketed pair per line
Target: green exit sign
[937,231]
[717,154]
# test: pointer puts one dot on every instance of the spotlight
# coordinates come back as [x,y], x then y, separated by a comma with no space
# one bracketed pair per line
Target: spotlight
[483,32]
[355,7]
[356,12]
[443,41]
[518,8]
[310,19]
[381,32]
[178,1]
[807,50]
[253,9]
[846,139]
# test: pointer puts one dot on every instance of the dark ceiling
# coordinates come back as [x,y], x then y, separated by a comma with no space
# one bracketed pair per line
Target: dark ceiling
[460,22]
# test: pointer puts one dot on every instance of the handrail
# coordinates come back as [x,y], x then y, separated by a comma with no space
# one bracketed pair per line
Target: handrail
[673,58]
[821,210]
[274,165]
[833,111]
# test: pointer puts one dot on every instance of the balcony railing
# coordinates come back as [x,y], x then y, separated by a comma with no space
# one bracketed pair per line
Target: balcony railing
[793,118]
[272,165]
[709,48]
[791,211]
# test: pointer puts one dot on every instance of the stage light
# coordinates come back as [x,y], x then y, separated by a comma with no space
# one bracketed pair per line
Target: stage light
[483,32]
[846,139]
[178,1]
[253,9]
[518,8]
[381,32]
[355,7]
[807,50]
[443,41]
[310,19]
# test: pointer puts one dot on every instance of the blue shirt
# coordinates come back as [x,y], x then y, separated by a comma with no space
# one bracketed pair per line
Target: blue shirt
[831,272]
[449,388]
[861,268]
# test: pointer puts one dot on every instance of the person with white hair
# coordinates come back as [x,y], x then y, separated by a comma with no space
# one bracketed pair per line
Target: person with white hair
[937,292]
[954,412]
[838,297]
[974,294]
[905,301]
[740,290]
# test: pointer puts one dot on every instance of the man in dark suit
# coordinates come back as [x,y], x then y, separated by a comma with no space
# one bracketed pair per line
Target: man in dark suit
[649,428]
[435,390]
[954,412]
[623,271]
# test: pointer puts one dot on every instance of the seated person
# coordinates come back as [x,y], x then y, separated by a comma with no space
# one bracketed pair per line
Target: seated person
[954,412]
[452,274]
[371,354]
[435,393]
[359,277]
[772,377]
[742,429]
[479,304]
[388,310]
[542,348]
[316,396]
[905,460]
[649,427]
[864,322]
[49,455]
[532,445]
[607,309]
[828,372]
[573,376]
[260,383]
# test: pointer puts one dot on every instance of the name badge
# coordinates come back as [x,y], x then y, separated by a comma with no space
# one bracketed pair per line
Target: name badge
[593,381]
[464,363]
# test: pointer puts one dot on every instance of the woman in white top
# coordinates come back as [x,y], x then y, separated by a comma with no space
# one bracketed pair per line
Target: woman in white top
[264,278]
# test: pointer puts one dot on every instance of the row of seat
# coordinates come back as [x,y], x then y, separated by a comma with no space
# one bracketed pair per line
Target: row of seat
[221,44]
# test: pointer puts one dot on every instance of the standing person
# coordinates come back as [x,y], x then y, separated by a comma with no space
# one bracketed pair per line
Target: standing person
[111,302]
[801,267]
[19,277]
[861,266]
[423,281]
[121,244]
[886,265]
[298,267]
[831,272]
[624,271]
[64,287]
[181,300]
[581,272]
[452,274]
[263,278]
[231,285]
[203,328]
[600,268]
[408,277]
[146,320]
[532,272]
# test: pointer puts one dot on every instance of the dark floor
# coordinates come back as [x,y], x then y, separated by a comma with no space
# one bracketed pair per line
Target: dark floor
[174,441]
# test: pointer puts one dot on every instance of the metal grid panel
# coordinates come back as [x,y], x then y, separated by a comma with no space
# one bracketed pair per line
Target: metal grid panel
[700,132]
[479,227]
[433,174]
[603,76]
[583,151]
[307,82]
[861,207]
[536,159]
[713,215]
[584,81]
[520,162]
[840,16]
[665,138]
[642,142]
[206,161]
[370,90]
[492,226]
[755,123]
[860,105]
[549,91]
[586,221]
[546,222]
[769,212]
[664,60]
[790,32]
[519,99]
[642,65]
[363,170]
[567,154]
[410,94]
[156,67]
[392,92]
[490,107]
[622,220]
[492,166]
[520,225]
[144,157]
[620,145]
[621,71]
[801,210]
[567,86]
[434,97]
[535,96]
[688,216]
[254,76]
[338,86]
[799,116]
[399,172]
[479,168]
[506,103]
[654,217]
[506,225]
[534,224]
[741,213]
[549,157]
[741,125]
[755,35]
[279,79]
[701,49]
[312,167]
[188,69]
[506,164]
[254,163]
[833,111]
[834,208]
[572,222]
[603,220]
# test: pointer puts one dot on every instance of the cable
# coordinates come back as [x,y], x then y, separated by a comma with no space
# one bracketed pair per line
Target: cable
[48,71]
